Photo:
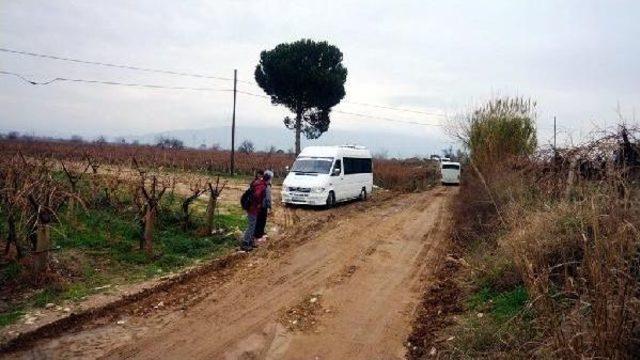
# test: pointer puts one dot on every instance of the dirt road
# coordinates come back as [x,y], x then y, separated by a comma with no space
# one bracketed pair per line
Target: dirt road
[347,291]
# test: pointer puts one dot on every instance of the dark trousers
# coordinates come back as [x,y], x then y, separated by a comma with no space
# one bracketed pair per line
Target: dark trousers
[261,222]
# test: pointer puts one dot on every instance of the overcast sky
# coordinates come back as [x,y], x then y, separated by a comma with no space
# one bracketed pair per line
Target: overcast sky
[578,59]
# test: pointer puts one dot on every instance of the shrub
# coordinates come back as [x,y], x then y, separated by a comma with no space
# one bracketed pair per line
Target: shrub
[498,131]
[579,259]
[566,223]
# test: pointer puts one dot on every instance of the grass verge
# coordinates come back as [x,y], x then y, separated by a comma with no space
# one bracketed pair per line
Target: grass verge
[98,247]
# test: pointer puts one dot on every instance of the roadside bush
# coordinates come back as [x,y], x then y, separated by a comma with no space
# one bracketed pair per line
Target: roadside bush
[566,225]
[474,214]
[497,321]
[580,259]
[499,130]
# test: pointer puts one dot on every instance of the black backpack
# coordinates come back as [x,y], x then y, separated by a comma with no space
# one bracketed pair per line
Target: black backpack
[247,198]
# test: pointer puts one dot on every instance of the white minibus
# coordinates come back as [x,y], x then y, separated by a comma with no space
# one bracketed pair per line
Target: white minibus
[325,175]
[450,172]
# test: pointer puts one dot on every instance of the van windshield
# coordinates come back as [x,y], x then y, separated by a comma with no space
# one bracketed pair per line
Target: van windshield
[312,165]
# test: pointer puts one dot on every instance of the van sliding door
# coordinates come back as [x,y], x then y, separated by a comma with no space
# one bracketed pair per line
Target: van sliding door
[339,182]
[357,175]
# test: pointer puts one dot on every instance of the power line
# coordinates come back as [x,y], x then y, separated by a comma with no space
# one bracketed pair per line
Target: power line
[23,78]
[155,86]
[252,94]
[180,73]
[104,82]
[361,104]
[120,66]
[394,108]
[356,114]
[386,118]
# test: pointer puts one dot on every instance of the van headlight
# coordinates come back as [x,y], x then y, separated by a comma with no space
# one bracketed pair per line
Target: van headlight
[318,190]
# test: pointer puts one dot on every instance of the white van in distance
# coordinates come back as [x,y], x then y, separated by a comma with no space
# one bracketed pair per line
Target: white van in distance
[450,172]
[325,175]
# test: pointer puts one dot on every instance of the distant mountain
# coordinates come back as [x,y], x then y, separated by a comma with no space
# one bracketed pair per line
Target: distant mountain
[391,143]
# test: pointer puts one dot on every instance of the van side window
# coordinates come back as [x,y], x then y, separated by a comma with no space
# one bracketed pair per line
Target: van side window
[338,165]
[357,166]
[366,166]
[349,166]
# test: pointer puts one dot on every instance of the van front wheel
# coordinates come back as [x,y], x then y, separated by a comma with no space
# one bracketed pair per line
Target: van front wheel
[331,200]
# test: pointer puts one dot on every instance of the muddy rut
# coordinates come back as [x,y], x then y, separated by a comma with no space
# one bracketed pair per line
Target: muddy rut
[348,292]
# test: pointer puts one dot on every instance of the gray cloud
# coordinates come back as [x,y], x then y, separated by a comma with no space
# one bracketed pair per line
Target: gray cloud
[576,58]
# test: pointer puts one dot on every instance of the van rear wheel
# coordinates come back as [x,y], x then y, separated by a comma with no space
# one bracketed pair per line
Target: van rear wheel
[331,200]
[363,194]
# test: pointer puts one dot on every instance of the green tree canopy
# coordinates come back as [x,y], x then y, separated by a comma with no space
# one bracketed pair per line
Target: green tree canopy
[308,78]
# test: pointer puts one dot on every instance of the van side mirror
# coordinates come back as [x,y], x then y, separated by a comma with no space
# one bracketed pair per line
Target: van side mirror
[336,172]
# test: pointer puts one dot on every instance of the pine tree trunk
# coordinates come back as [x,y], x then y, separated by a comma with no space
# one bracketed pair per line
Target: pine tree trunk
[298,128]
[149,222]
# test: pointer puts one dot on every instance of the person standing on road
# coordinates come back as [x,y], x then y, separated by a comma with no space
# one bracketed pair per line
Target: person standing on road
[266,208]
[258,187]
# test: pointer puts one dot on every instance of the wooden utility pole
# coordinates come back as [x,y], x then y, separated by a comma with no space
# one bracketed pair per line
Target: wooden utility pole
[233,123]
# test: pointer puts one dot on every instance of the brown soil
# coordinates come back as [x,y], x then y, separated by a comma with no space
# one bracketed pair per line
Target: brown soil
[441,300]
[345,285]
